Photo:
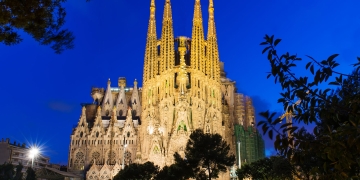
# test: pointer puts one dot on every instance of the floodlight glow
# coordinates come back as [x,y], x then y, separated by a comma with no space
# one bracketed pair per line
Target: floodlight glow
[33,152]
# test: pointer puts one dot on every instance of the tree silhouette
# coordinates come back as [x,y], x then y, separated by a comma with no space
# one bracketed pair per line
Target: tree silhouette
[207,154]
[332,150]
[41,19]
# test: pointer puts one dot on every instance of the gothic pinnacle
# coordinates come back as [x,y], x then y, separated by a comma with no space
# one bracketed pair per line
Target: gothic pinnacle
[167,40]
[151,47]
[152,3]
[152,9]
[213,64]
[197,43]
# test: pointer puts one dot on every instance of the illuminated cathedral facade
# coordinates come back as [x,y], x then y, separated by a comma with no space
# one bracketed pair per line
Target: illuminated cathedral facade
[184,87]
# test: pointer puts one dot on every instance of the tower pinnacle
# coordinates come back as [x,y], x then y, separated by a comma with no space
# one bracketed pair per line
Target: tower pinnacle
[197,43]
[150,60]
[213,64]
[167,40]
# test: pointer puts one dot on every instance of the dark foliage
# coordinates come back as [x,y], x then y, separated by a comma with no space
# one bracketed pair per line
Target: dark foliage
[41,19]
[138,171]
[30,174]
[177,171]
[332,150]
[207,155]
[273,168]
[6,171]
[18,173]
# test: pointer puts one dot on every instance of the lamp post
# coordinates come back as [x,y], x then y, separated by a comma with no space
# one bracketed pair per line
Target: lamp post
[239,142]
[34,151]
[123,160]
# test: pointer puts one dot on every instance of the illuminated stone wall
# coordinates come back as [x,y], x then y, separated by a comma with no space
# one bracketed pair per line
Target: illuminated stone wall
[184,87]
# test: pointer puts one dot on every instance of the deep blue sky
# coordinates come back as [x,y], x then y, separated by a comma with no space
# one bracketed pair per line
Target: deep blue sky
[43,91]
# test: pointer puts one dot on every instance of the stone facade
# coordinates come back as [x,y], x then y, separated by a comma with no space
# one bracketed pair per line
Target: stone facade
[184,88]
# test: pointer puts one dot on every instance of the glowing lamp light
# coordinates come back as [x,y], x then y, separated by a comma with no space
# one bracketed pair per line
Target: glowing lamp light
[151,129]
[33,152]
[123,160]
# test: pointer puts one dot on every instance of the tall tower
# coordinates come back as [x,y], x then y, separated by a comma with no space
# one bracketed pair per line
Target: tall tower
[184,88]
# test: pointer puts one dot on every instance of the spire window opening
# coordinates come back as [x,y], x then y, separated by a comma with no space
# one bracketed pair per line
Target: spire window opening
[158,68]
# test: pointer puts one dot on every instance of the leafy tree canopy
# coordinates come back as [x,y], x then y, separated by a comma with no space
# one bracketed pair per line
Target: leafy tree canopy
[273,168]
[18,173]
[177,171]
[41,19]
[332,150]
[138,171]
[6,171]
[30,174]
[207,154]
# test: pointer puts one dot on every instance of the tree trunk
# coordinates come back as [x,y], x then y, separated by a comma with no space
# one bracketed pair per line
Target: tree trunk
[209,171]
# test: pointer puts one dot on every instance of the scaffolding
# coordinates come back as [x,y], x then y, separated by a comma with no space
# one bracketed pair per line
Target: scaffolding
[251,144]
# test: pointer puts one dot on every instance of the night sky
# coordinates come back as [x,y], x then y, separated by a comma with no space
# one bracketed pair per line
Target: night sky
[42,91]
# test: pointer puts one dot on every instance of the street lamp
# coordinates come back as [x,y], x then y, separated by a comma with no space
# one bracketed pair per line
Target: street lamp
[33,152]
[123,160]
[239,142]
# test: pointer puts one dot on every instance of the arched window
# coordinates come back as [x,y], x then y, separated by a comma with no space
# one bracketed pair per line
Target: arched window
[95,158]
[79,161]
[120,113]
[97,134]
[127,158]
[111,158]
[81,134]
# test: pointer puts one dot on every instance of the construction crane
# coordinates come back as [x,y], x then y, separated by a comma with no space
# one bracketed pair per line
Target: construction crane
[288,115]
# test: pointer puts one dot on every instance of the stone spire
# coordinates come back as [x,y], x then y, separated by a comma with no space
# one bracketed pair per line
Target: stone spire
[82,121]
[121,103]
[197,43]
[212,64]
[108,101]
[150,61]
[167,40]
[98,120]
[135,100]
[82,124]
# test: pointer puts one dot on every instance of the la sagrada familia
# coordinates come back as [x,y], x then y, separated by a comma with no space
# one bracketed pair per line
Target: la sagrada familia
[184,87]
